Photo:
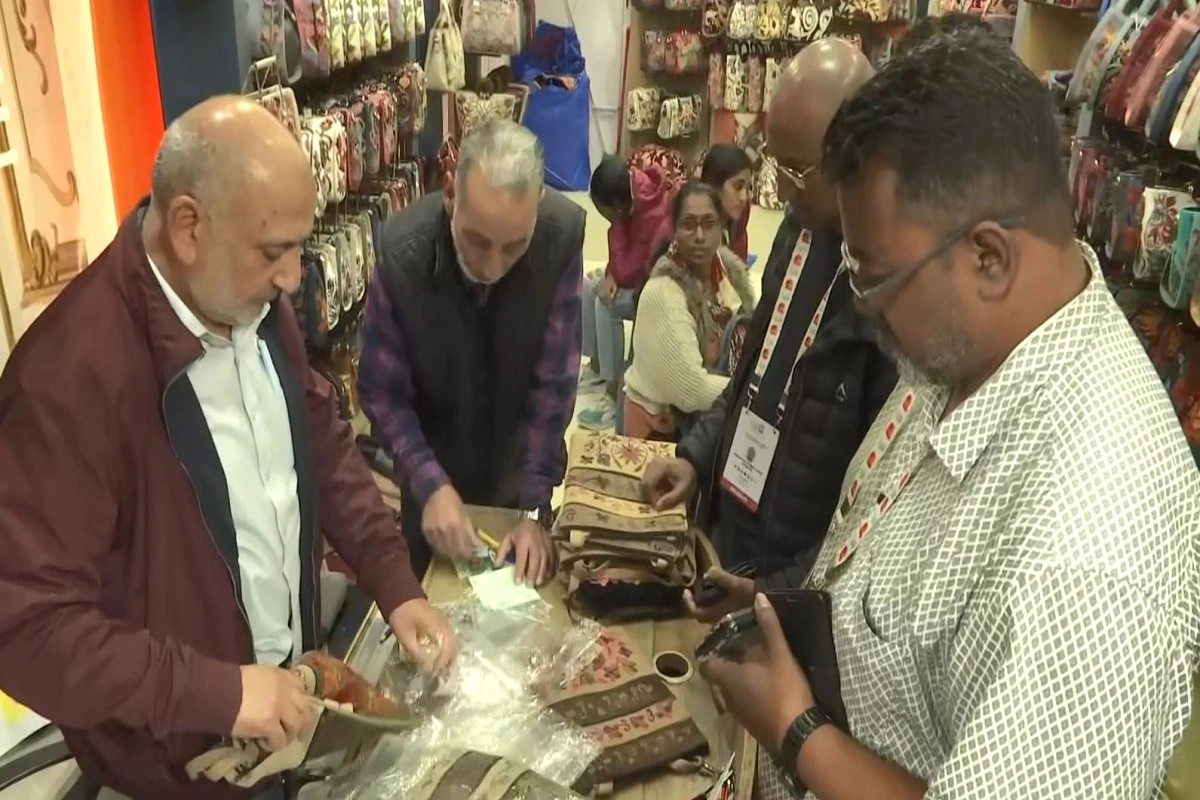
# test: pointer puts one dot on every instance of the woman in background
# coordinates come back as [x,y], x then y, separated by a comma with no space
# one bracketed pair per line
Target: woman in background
[636,201]
[694,290]
[727,168]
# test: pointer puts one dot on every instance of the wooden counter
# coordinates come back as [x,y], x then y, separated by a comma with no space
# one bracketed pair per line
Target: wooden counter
[442,585]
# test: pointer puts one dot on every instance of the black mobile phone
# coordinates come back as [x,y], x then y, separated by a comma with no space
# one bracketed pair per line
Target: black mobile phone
[806,617]
[731,637]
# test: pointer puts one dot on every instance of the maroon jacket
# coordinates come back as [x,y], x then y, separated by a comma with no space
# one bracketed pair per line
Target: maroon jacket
[120,599]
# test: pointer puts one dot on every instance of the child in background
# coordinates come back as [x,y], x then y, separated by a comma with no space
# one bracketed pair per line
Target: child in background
[636,201]
[727,168]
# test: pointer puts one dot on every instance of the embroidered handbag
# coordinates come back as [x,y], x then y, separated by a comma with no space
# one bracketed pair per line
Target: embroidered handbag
[755,69]
[490,27]
[716,79]
[1179,277]
[625,558]
[772,19]
[715,19]
[418,7]
[642,109]
[664,158]
[1160,221]
[771,71]
[626,707]
[1169,50]
[807,23]
[354,31]
[1167,104]
[370,35]
[1143,43]
[743,20]
[383,26]
[412,102]
[735,83]
[313,31]
[335,17]
[473,110]
[445,63]
[684,52]
[654,51]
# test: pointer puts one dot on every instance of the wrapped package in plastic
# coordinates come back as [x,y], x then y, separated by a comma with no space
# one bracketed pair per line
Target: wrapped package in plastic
[488,707]
[408,769]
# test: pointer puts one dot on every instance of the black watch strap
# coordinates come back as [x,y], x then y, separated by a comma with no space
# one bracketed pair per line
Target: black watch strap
[797,734]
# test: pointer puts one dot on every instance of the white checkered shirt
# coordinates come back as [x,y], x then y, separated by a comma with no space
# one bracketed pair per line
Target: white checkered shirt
[1023,623]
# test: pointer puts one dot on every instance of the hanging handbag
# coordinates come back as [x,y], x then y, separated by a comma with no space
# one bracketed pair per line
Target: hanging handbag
[445,63]
[714,19]
[1119,92]
[743,20]
[1160,221]
[474,110]
[1166,106]
[643,107]
[716,79]
[490,27]
[1170,49]
[313,31]
[772,21]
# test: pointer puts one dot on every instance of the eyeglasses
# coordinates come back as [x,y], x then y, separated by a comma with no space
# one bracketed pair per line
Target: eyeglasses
[798,178]
[902,276]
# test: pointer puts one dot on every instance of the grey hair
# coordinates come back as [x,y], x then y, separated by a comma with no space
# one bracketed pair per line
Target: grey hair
[188,162]
[510,156]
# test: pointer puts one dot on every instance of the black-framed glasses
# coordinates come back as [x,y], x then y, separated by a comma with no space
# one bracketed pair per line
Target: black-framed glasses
[798,178]
[902,276]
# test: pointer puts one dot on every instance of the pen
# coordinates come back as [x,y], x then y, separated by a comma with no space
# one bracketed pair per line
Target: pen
[491,542]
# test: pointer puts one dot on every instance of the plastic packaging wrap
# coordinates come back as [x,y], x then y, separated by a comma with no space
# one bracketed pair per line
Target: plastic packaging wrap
[490,703]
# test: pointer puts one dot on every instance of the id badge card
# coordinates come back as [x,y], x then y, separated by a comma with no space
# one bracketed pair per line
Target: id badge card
[750,457]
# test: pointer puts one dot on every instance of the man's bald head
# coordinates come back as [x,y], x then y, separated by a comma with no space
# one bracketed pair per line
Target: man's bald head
[810,90]
[233,198]
[227,142]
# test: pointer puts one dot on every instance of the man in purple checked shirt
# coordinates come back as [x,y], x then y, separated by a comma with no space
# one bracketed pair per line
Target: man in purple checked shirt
[470,354]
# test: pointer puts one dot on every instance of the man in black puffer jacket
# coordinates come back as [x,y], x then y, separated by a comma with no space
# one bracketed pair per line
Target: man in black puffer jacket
[769,456]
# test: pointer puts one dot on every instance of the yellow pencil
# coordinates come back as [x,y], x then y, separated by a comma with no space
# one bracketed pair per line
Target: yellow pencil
[487,538]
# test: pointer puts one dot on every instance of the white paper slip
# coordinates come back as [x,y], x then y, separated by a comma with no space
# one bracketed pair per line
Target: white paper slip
[499,589]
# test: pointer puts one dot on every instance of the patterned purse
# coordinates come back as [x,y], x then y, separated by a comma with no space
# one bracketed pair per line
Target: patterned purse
[355,51]
[473,110]
[314,38]
[1179,277]
[771,71]
[684,53]
[755,75]
[743,20]
[335,16]
[654,51]
[1160,223]
[626,707]
[490,27]
[715,18]
[735,83]
[772,20]
[643,107]
[807,23]
[716,79]
[445,62]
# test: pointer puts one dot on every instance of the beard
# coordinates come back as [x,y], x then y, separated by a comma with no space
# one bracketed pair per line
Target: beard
[948,355]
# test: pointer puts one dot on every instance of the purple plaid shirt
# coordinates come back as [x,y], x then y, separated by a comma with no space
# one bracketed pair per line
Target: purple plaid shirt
[386,390]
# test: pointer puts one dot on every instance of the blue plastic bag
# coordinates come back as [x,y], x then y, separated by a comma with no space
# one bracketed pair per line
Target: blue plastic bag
[555,50]
[561,119]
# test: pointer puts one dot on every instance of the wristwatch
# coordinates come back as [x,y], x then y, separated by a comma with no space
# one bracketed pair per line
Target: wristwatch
[539,515]
[797,734]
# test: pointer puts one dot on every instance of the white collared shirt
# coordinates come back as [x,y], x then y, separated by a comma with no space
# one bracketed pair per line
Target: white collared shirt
[1023,622]
[243,403]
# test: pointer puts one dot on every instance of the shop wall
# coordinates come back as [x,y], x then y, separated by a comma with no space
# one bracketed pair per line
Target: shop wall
[209,46]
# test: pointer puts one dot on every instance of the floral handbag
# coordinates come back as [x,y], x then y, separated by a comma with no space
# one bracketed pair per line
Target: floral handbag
[716,79]
[354,31]
[1179,277]
[755,74]
[715,19]
[743,20]
[1170,49]
[771,70]
[314,38]
[1160,221]
[370,32]
[335,16]
[772,20]
[1166,106]
[654,51]
[643,107]
[666,159]
[684,53]
[445,63]
[473,110]
[383,26]
[767,187]
[806,23]
[490,27]
[735,82]
[1142,45]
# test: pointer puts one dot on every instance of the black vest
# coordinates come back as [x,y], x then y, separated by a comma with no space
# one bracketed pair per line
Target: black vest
[472,361]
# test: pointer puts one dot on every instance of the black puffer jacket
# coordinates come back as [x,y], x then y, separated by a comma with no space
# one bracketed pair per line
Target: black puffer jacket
[838,388]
